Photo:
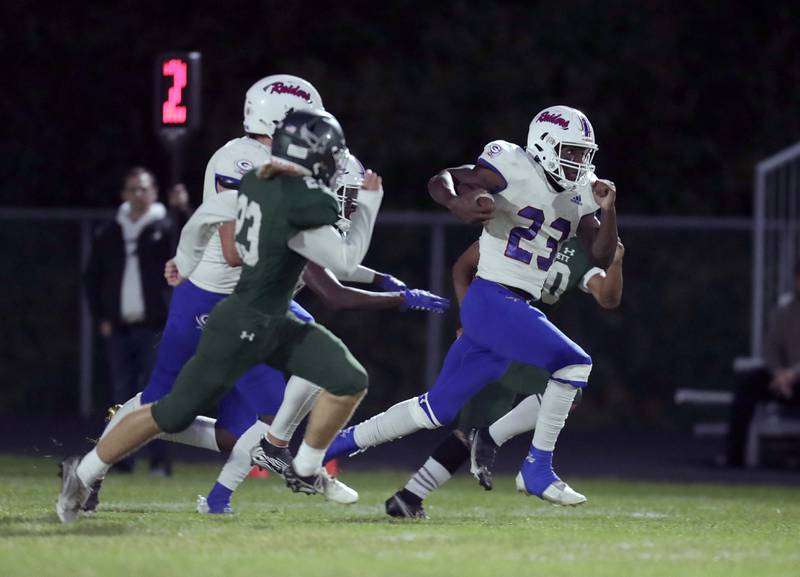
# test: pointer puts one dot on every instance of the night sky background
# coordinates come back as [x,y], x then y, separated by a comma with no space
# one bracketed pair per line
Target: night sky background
[684,97]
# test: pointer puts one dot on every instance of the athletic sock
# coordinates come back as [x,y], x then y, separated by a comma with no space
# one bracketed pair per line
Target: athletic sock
[91,468]
[439,468]
[298,399]
[219,498]
[397,421]
[556,402]
[307,460]
[518,420]
[238,465]
[201,433]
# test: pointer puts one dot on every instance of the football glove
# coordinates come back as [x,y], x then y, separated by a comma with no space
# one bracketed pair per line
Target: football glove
[420,300]
[391,284]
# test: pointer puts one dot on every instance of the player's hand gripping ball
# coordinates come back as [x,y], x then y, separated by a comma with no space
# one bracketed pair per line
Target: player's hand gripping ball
[473,204]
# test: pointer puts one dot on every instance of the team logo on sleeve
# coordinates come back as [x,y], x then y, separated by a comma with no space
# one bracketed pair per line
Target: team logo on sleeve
[494,150]
[201,321]
[243,166]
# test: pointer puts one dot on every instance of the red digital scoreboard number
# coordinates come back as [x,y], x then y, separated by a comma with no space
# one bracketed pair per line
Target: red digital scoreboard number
[177,92]
[173,110]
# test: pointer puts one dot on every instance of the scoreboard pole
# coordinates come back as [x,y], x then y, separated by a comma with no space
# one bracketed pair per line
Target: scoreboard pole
[177,104]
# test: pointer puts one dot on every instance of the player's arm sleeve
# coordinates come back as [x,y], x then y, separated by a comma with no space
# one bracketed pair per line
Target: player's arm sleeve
[593,272]
[362,275]
[199,229]
[326,246]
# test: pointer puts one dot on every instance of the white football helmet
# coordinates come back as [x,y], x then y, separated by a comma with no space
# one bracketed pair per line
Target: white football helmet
[556,127]
[269,100]
[349,180]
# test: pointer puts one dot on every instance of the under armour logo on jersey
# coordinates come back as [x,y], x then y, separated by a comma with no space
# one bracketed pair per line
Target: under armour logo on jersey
[531,459]
[247,336]
[576,199]
[201,321]
[568,252]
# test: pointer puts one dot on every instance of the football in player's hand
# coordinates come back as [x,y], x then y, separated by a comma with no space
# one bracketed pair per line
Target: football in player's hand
[481,197]
[473,205]
[485,200]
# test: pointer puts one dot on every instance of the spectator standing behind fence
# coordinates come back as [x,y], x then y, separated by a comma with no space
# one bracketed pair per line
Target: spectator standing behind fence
[127,293]
[778,380]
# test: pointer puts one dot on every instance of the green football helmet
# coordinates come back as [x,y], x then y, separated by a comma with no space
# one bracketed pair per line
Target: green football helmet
[313,141]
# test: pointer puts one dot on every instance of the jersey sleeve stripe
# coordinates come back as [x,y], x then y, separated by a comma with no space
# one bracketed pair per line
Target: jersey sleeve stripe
[490,166]
[227,181]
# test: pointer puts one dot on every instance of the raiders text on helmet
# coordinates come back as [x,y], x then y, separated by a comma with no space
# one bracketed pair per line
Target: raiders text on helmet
[554,128]
[271,98]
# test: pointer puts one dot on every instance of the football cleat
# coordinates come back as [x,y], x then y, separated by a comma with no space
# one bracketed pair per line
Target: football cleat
[112,410]
[90,506]
[558,493]
[320,483]
[204,509]
[267,456]
[73,493]
[343,444]
[482,452]
[536,477]
[396,506]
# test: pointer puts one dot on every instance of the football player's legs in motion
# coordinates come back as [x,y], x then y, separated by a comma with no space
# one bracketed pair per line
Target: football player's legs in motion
[499,326]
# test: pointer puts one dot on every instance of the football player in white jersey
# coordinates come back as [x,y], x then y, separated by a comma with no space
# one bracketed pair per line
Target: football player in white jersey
[261,390]
[535,198]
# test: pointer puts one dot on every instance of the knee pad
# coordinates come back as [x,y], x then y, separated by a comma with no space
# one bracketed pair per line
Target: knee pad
[171,421]
[349,381]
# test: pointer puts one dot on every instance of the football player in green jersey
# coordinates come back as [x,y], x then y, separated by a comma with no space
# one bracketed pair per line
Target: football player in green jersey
[286,213]
[474,439]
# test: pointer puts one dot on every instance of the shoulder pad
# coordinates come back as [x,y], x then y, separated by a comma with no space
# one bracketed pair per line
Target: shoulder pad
[236,159]
[502,157]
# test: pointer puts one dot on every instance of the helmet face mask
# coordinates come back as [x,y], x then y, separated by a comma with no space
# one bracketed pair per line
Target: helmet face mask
[347,182]
[561,140]
[270,99]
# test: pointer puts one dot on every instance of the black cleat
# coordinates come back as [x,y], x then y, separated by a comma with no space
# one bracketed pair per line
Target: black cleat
[399,505]
[267,456]
[482,451]
[90,506]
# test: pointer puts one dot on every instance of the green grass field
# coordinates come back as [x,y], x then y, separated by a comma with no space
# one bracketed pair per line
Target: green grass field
[148,527]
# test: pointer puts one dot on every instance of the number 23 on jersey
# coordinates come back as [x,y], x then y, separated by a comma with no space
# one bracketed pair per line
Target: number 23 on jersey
[248,226]
[536,215]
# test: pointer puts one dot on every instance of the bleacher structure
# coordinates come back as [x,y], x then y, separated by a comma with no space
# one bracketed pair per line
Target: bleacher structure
[776,248]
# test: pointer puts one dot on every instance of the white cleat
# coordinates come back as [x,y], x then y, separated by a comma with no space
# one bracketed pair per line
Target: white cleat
[320,483]
[558,493]
[336,491]
[73,492]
